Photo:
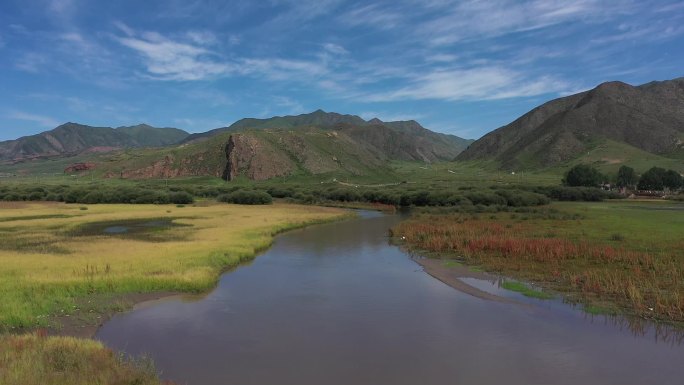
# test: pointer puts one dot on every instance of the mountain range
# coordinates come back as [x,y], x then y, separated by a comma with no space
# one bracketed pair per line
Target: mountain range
[612,124]
[73,139]
[307,144]
[316,143]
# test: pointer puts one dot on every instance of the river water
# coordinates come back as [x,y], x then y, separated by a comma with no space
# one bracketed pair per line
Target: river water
[338,304]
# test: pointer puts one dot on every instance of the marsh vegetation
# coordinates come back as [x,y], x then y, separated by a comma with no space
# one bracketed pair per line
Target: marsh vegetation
[625,257]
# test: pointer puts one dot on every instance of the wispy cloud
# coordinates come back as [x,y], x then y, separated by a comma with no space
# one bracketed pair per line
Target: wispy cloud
[640,33]
[484,83]
[485,19]
[44,121]
[335,49]
[166,59]
[373,15]
[31,62]
[61,6]
[283,69]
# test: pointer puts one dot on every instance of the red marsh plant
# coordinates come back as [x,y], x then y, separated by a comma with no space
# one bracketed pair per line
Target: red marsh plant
[645,283]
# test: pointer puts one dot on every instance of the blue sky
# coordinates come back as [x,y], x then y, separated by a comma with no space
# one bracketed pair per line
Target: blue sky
[460,67]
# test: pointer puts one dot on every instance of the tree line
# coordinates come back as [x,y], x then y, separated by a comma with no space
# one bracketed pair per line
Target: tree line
[655,179]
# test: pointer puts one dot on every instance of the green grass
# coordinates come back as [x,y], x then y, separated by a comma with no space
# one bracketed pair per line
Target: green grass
[607,156]
[525,290]
[598,310]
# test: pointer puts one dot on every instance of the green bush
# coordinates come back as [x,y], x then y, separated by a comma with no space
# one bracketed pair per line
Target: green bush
[518,198]
[246,197]
[485,198]
[181,198]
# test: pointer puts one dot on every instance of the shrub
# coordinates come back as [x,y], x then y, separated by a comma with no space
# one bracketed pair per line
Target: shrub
[93,197]
[181,198]
[36,196]
[247,197]
[587,194]
[518,198]
[485,198]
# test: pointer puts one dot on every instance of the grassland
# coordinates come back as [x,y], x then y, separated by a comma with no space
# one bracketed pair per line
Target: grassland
[625,257]
[50,261]
[35,359]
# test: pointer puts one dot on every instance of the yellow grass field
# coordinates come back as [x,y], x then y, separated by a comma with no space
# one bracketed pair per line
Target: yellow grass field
[38,360]
[52,255]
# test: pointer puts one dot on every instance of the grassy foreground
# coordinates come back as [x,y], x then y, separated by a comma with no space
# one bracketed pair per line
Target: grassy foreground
[625,257]
[54,257]
[38,360]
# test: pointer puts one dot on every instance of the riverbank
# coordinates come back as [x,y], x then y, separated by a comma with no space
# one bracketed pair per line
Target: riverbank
[56,255]
[614,257]
[66,269]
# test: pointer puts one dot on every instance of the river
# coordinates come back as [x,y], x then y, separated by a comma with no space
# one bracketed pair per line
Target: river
[338,304]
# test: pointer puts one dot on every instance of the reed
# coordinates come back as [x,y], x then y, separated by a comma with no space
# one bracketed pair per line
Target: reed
[641,273]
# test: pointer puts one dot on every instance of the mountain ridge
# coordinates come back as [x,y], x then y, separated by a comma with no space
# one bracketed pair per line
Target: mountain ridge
[316,143]
[73,138]
[649,117]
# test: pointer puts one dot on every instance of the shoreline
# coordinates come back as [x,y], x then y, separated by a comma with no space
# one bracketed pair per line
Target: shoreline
[451,276]
[95,310]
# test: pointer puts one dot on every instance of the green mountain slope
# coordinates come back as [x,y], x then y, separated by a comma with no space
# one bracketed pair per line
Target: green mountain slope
[402,140]
[649,118]
[72,138]
[319,143]
[255,154]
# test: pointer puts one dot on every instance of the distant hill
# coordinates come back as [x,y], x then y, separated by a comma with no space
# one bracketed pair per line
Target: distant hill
[308,144]
[73,138]
[405,140]
[318,118]
[613,123]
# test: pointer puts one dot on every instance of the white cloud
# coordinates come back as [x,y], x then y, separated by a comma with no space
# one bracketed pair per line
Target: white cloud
[485,83]
[202,37]
[335,49]
[123,27]
[166,59]
[44,121]
[641,33]
[483,19]
[373,15]
[289,105]
[31,62]
[283,69]
[61,6]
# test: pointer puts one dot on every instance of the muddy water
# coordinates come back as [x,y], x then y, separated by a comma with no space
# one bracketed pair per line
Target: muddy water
[337,304]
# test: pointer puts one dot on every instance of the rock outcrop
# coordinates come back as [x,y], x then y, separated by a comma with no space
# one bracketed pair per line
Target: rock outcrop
[255,159]
[79,167]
